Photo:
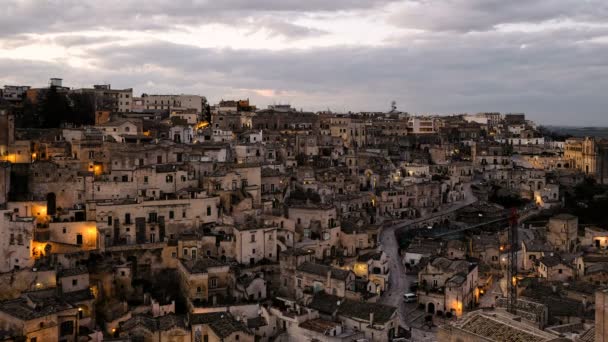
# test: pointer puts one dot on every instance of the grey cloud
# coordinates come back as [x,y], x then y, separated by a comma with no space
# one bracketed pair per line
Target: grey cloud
[480,15]
[80,40]
[459,65]
[284,28]
[451,74]
[32,16]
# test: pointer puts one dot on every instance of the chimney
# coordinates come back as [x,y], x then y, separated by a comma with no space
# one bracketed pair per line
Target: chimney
[371,318]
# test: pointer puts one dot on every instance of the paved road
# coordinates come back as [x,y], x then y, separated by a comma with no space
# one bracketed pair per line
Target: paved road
[399,282]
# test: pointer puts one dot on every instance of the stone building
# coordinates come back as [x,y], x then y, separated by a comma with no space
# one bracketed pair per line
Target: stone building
[205,281]
[16,241]
[448,286]
[312,278]
[377,321]
[254,242]
[562,232]
[219,327]
[40,316]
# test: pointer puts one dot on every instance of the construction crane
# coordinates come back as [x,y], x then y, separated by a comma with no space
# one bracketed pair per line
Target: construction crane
[512,263]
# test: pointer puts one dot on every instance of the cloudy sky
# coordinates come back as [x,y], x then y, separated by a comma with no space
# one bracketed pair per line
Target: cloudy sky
[547,58]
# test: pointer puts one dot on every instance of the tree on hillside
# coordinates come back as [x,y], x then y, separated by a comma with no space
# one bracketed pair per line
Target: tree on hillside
[54,109]
[83,109]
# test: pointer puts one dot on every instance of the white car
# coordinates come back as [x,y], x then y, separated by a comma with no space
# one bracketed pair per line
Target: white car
[409,297]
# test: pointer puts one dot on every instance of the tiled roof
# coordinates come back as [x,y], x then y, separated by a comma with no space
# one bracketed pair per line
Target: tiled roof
[537,246]
[319,325]
[595,258]
[170,321]
[588,336]
[597,268]
[329,304]
[256,322]
[201,265]
[227,325]
[456,280]
[79,296]
[550,260]
[149,323]
[370,255]
[152,324]
[206,318]
[361,310]
[35,304]
[70,272]
[325,303]
[297,251]
[493,329]
[321,270]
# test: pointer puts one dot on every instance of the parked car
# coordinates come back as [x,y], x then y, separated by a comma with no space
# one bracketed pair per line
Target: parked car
[409,297]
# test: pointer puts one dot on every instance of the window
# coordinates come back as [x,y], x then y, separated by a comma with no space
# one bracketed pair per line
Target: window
[74,282]
[127,218]
[252,238]
[169,178]
[193,253]
[171,214]
[152,217]
[79,239]
[199,289]
[159,159]
[185,251]
[208,210]
[213,283]
[66,328]
[299,283]
[145,179]
[109,220]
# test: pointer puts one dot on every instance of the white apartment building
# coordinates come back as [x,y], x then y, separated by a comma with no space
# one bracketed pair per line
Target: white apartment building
[172,102]
[422,125]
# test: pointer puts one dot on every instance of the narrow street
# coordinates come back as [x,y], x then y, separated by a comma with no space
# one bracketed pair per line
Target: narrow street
[399,282]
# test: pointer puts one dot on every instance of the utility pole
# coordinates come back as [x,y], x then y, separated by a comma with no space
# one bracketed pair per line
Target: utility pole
[512,263]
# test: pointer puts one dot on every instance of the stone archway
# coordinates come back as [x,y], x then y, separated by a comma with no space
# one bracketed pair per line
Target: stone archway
[430,308]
